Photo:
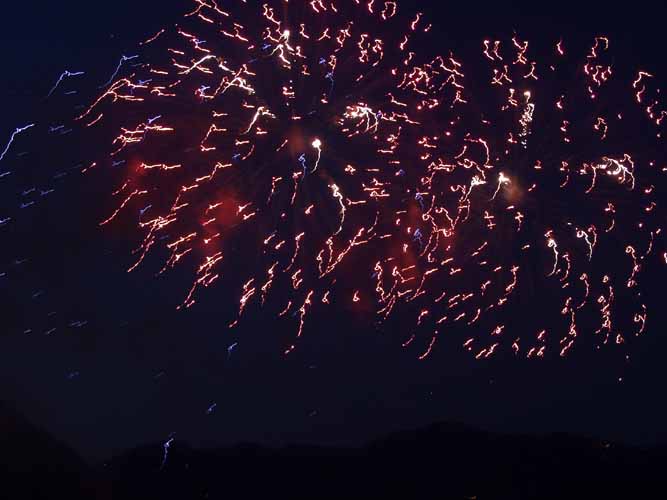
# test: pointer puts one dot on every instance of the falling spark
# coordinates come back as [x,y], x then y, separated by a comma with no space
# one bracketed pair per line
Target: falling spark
[11,139]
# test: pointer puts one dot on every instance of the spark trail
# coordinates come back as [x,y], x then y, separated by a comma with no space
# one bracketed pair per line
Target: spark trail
[65,74]
[11,139]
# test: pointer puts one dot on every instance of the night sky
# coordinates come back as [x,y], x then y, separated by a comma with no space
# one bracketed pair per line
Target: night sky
[139,370]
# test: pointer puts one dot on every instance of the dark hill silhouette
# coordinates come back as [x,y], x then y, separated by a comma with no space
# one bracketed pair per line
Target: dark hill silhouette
[440,461]
[35,465]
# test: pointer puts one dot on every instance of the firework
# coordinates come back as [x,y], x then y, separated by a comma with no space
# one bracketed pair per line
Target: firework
[322,156]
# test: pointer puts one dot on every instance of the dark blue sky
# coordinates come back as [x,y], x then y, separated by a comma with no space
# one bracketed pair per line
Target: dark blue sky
[140,371]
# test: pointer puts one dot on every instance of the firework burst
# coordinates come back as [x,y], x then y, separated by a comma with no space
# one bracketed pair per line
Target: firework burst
[323,156]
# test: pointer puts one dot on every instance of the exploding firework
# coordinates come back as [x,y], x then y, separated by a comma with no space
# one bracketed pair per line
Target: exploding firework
[322,157]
